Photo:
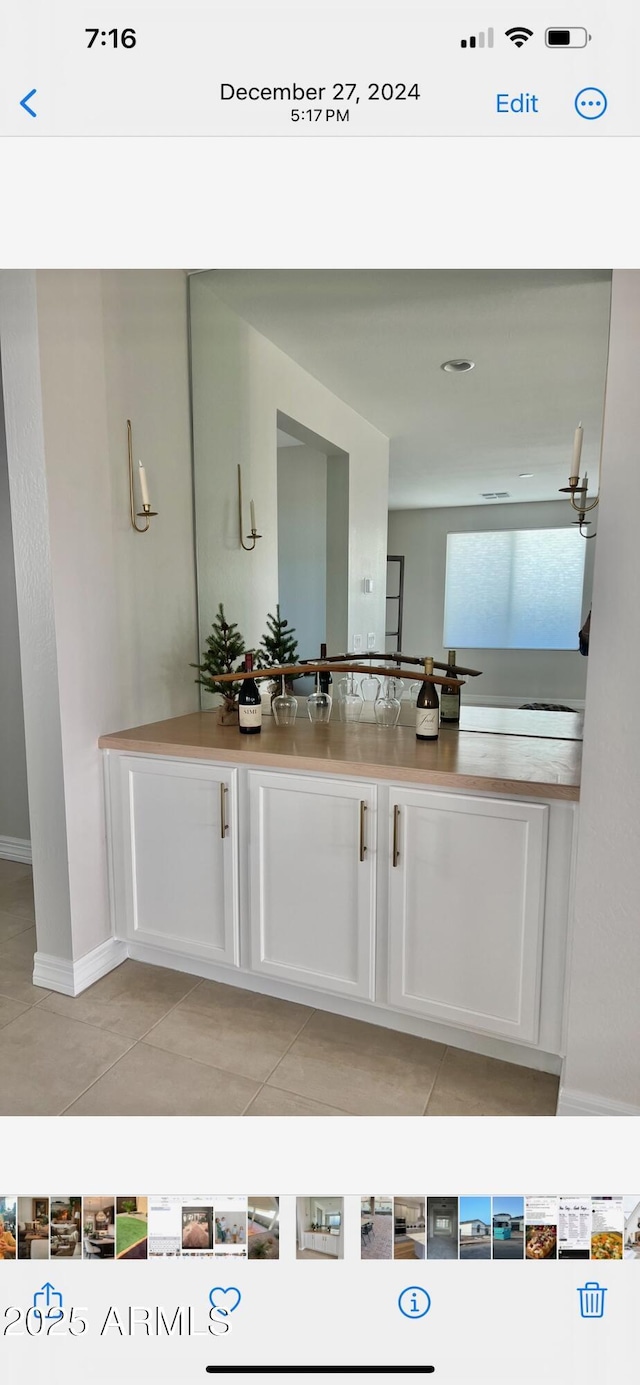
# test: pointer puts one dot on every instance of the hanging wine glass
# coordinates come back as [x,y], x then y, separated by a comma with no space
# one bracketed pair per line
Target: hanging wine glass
[319,704]
[370,688]
[395,686]
[285,707]
[350,702]
[387,708]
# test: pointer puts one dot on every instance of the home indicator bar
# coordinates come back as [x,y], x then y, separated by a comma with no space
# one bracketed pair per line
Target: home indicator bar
[320,1370]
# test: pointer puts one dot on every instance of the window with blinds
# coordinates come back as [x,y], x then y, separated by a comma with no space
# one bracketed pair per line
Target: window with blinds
[514,589]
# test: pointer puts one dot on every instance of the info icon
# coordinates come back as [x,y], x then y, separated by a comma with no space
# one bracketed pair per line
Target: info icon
[414,1302]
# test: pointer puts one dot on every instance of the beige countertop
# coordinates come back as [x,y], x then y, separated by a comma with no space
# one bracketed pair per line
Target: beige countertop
[521,763]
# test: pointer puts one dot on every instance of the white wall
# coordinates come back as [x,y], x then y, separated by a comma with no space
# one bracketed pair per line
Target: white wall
[302,544]
[603,1053]
[19,358]
[240,382]
[111,613]
[519,675]
[14,804]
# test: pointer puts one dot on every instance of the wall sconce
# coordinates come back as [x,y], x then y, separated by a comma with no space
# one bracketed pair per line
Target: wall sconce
[578,493]
[253,535]
[146,512]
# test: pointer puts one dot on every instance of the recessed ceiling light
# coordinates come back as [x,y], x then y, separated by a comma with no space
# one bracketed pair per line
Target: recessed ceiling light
[457,367]
[524,475]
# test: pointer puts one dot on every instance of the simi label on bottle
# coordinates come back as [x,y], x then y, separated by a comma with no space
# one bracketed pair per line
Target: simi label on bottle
[249,716]
[249,702]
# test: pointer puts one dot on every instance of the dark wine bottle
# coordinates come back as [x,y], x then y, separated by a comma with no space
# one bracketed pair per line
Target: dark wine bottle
[427,708]
[325,678]
[249,703]
[450,697]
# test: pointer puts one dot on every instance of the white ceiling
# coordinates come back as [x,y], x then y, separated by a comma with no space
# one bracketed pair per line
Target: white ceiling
[377,339]
[286,440]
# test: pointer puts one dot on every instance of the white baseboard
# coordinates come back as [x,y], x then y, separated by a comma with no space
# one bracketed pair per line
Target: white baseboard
[71,978]
[573,1103]
[380,1015]
[15,849]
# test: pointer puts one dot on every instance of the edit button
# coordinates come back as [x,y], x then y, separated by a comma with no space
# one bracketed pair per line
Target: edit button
[523,103]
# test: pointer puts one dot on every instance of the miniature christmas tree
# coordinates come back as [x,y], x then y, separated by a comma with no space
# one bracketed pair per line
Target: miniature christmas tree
[225,646]
[278,646]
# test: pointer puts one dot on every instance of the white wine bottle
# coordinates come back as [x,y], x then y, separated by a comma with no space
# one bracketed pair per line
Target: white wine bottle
[249,703]
[450,699]
[427,708]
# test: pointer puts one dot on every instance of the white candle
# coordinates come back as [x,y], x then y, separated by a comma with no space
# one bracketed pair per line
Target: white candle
[586,485]
[144,489]
[577,450]
[252,509]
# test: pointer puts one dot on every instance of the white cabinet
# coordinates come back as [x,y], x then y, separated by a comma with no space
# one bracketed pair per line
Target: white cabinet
[321,1243]
[464,924]
[312,864]
[466,910]
[175,858]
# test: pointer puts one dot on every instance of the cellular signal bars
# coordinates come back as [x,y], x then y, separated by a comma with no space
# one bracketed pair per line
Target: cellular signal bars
[481,41]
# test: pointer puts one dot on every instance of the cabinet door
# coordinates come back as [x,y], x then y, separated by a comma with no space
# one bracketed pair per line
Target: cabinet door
[466,910]
[180,868]
[313,881]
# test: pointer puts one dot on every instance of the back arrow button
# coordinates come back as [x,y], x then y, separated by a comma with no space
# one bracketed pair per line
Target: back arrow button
[25,103]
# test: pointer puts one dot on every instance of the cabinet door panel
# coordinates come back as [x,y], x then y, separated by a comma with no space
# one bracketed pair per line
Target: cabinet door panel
[466,911]
[312,897]
[182,890]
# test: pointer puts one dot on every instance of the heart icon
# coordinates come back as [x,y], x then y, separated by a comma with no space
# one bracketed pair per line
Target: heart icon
[219,1293]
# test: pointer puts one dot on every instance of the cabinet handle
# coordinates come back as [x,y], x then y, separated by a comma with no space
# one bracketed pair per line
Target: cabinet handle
[223,811]
[363,848]
[396,834]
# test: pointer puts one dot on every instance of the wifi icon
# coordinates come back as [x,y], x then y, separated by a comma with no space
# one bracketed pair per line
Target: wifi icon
[519,35]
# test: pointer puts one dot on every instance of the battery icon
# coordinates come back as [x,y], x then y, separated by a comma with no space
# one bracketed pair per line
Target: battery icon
[567,38]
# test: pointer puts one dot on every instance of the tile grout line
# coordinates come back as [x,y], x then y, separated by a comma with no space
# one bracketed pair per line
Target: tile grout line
[209,1067]
[296,1095]
[167,1053]
[134,1043]
[84,1091]
[104,1028]
[435,1079]
[280,1059]
[198,982]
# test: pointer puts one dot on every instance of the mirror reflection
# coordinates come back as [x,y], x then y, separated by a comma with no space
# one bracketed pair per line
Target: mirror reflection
[403,438]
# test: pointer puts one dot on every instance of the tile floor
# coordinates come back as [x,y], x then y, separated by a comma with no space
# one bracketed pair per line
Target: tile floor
[147,1041]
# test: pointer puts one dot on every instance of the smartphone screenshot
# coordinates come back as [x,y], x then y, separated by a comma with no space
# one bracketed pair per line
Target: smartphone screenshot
[318,762]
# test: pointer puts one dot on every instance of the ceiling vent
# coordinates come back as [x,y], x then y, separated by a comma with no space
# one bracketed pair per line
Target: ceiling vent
[496,495]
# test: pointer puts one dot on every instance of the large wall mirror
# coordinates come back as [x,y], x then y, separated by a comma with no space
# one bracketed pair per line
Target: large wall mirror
[399,503]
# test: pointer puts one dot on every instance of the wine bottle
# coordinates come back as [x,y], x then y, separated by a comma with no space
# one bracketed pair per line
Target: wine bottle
[427,708]
[450,698]
[249,703]
[325,678]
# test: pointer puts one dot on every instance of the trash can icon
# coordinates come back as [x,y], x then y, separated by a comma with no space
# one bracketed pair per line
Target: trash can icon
[592,1300]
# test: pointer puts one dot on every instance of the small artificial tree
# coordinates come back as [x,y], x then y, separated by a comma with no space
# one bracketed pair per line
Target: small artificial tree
[225,646]
[278,645]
